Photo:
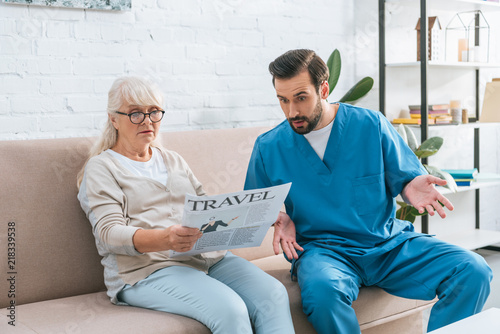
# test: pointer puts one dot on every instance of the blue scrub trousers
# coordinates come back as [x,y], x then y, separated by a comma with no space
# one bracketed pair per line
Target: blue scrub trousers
[419,268]
[234,295]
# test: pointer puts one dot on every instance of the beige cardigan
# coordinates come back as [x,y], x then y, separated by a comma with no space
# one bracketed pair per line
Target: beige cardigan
[118,203]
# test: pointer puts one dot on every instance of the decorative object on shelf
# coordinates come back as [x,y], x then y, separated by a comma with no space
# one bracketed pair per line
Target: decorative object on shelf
[491,102]
[357,91]
[465,116]
[456,111]
[434,41]
[468,38]
[86,4]
[463,49]
[428,148]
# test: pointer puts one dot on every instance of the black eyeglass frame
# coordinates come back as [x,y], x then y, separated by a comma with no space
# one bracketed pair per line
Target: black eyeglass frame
[144,114]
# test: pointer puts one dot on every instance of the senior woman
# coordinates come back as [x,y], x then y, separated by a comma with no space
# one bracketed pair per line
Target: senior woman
[132,192]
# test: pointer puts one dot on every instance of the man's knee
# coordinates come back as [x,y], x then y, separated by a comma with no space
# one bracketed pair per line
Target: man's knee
[328,293]
[476,269]
[471,277]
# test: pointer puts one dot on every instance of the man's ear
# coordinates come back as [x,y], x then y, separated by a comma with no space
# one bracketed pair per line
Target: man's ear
[324,90]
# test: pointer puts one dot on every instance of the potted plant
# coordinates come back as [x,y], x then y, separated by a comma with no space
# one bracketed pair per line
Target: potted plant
[428,148]
[357,91]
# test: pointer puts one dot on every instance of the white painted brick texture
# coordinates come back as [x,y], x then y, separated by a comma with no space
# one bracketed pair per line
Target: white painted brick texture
[210,59]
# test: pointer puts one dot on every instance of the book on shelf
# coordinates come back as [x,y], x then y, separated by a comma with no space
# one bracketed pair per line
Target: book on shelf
[443,119]
[431,112]
[430,115]
[463,183]
[430,107]
[416,119]
[458,174]
[411,121]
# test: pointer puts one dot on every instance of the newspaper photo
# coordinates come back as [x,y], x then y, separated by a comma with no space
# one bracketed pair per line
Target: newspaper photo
[233,220]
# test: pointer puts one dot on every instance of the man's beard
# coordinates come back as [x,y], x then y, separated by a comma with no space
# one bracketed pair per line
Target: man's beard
[311,123]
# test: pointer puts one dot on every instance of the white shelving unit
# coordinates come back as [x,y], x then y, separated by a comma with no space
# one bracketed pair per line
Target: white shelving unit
[459,227]
[471,239]
[442,64]
[473,186]
[455,5]
[462,226]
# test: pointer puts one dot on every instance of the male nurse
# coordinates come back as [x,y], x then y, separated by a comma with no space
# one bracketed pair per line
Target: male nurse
[347,164]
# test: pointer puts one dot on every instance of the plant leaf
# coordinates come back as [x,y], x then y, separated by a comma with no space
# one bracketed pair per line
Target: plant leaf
[415,212]
[412,140]
[334,65]
[402,204]
[429,147]
[404,213]
[402,133]
[358,90]
[450,181]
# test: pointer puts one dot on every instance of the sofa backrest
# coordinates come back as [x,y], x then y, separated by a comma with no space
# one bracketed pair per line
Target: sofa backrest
[54,252]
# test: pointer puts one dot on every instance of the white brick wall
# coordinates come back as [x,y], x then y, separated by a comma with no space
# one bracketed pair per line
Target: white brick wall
[210,58]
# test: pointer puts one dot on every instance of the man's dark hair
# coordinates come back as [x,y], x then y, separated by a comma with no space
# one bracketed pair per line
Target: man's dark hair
[294,62]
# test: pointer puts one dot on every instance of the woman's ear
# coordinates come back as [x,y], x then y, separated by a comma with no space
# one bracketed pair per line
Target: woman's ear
[112,119]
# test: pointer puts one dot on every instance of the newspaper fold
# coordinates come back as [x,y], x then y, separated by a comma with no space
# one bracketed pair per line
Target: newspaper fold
[233,220]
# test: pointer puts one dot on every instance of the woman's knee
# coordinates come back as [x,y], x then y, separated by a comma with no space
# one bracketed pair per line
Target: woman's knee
[272,289]
[273,298]
[227,314]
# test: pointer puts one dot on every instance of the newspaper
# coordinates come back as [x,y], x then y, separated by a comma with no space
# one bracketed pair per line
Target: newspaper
[233,220]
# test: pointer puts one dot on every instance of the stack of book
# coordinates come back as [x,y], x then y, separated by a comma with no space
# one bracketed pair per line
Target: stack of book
[463,177]
[437,113]
[411,121]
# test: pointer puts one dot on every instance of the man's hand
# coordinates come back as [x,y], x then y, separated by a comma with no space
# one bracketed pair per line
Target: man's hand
[284,234]
[422,194]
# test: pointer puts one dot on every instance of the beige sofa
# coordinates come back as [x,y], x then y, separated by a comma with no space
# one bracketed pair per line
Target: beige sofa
[53,273]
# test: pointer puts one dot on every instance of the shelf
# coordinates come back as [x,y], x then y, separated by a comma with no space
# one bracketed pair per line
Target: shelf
[474,185]
[473,125]
[455,5]
[456,65]
[483,180]
[472,239]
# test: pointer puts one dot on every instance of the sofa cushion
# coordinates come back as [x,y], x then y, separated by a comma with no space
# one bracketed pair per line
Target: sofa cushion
[93,313]
[55,249]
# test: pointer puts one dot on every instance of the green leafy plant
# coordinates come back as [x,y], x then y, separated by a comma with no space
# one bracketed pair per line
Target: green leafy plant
[359,90]
[428,148]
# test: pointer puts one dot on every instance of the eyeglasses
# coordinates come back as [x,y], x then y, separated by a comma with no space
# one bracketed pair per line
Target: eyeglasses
[138,117]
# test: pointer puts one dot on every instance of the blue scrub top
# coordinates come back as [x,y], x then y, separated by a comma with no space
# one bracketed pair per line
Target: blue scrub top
[348,198]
